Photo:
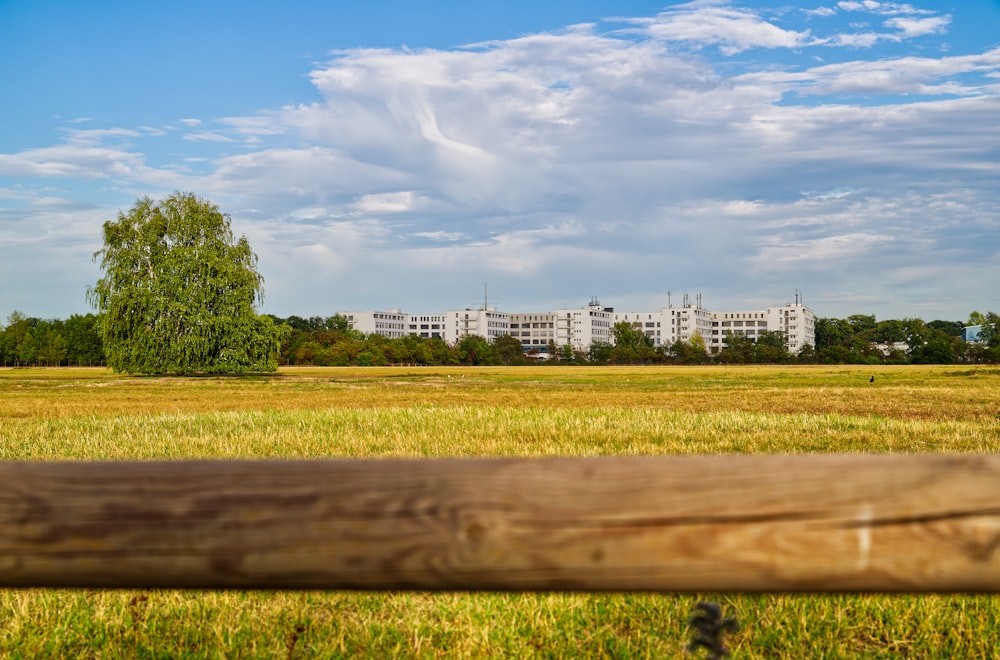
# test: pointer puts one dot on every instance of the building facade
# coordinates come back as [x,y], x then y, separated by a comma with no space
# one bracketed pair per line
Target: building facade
[794,320]
[486,322]
[426,325]
[671,324]
[971,333]
[535,331]
[390,323]
[580,328]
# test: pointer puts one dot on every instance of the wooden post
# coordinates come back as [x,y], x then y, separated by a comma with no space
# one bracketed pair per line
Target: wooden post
[723,523]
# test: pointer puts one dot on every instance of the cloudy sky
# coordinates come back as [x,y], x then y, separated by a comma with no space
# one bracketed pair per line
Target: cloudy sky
[402,154]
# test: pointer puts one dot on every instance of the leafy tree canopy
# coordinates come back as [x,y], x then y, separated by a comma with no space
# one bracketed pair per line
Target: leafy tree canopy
[632,345]
[179,292]
[976,318]
[476,350]
[510,350]
[631,337]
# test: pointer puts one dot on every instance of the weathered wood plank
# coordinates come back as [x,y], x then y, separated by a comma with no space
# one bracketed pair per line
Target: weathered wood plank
[721,523]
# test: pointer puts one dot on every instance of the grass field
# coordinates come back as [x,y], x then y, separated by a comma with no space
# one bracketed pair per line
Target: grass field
[526,411]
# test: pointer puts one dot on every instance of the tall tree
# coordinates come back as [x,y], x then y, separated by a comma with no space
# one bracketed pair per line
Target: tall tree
[861,322]
[179,292]
[51,344]
[950,328]
[890,332]
[84,343]
[739,349]
[632,345]
[692,351]
[476,350]
[990,330]
[510,350]
[936,347]
[19,342]
[599,352]
[976,318]
[770,347]
[698,350]
[11,335]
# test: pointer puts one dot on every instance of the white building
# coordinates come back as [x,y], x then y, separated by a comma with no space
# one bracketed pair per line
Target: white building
[689,321]
[391,323]
[797,321]
[749,323]
[651,323]
[426,325]
[486,322]
[534,330]
[671,324]
[794,320]
[580,328]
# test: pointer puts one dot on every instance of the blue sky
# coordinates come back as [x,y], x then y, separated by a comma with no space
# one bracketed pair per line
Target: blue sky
[390,154]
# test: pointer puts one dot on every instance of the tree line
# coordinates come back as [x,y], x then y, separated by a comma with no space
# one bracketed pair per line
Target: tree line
[32,341]
[330,341]
[860,339]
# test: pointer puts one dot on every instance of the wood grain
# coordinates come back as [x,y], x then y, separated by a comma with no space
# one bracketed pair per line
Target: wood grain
[897,523]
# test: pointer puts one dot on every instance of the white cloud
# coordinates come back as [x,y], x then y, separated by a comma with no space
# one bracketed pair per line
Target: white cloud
[395,202]
[917,27]
[744,207]
[450,236]
[851,5]
[858,39]
[78,161]
[883,8]
[820,11]
[254,127]
[888,76]
[208,136]
[905,21]
[732,30]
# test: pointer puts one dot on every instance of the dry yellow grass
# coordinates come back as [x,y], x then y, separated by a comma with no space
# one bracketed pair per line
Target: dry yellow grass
[907,392]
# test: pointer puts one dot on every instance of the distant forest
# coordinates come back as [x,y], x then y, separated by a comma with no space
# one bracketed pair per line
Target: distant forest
[329,341]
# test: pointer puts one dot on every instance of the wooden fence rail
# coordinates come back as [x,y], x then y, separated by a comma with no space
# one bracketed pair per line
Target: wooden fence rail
[893,523]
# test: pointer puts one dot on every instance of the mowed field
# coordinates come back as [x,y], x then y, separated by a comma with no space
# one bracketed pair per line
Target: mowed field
[86,414]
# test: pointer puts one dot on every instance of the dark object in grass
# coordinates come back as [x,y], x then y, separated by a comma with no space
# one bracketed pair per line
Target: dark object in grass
[709,627]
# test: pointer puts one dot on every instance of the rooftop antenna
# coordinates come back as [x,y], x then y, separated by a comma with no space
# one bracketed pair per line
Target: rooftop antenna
[668,299]
[485,298]
[796,297]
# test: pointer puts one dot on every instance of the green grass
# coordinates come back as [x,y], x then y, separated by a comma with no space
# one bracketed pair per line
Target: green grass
[93,414]
[170,624]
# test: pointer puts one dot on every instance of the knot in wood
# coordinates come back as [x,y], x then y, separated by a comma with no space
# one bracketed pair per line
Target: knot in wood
[979,537]
[475,532]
